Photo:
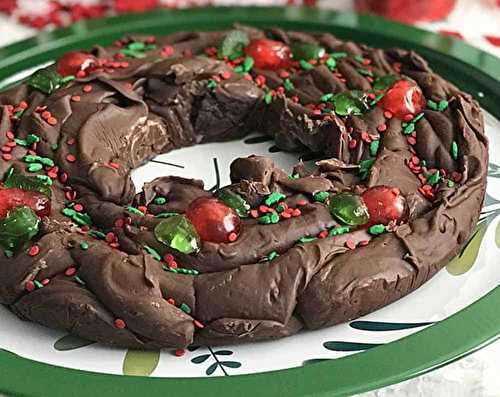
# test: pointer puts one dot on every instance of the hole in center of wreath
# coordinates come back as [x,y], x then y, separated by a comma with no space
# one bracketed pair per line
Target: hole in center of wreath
[210,162]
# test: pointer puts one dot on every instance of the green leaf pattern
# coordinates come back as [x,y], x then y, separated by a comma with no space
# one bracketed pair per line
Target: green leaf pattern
[217,363]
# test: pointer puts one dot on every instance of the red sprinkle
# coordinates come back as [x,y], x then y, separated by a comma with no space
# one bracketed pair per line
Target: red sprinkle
[408,117]
[110,237]
[52,120]
[45,281]
[23,105]
[411,140]
[63,178]
[323,234]
[296,212]
[114,165]
[143,209]
[301,202]
[350,244]
[29,286]
[120,324]
[286,215]
[381,127]
[387,114]
[46,114]
[169,258]
[71,158]
[34,250]
[7,156]
[198,324]
[254,213]
[180,352]
[10,135]
[353,143]
[87,88]
[171,301]
[362,243]
[225,75]
[70,271]
[78,207]
[167,51]
[232,237]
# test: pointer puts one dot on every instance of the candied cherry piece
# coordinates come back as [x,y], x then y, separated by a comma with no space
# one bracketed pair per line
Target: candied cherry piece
[19,226]
[349,209]
[403,98]
[178,233]
[269,54]
[14,197]
[385,204]
[213,220]
[73,62]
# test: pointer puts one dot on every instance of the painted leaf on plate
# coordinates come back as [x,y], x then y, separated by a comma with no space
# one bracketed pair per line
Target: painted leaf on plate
[340,346]
[223,352]
[140,363]
[230,364]
[467,257]
[385,326]
[71,342]
[200,359]
[315,361]
[211,369]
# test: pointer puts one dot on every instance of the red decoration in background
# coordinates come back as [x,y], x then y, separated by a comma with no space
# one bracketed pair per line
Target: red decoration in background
[402,99]
[408,11]
[135,5]
[269,54]
[13,197]
[213,220]
[385,204]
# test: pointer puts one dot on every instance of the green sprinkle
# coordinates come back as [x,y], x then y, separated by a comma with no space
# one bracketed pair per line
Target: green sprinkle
[21,142]
[38,284]
[82,219]
[358,58]
[30,158]
[376,100]
[166,214]
[185,308]
[160,200]
[269,218]
[152,252]
[294,176]
[272,255]
[8,253]
[434,178]
[451,184]
[97,234]
[377,229]
[280,208]
[326,97]
[374,147]
[337,55]
[35,167]
[442,105]
[274,198]
[79,281]
[211,84]
[47,161]
[54,146]
[288,85]
[45,179]
[306,239]
[321,196]
[268,97]
[409,128]
[454,150]
[84,245]
[422,163]
[338,230]
[19,114]
[305,65]
[134,211]
[331,63]
[432,105]
[275,218]
[418,117]
[32,138]
[365,72]
[68,212]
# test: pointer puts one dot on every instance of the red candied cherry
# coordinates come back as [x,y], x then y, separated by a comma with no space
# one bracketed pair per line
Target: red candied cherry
[213,220]
[73,62]
[269,54]
[384,204]
[14,197]
[403,98]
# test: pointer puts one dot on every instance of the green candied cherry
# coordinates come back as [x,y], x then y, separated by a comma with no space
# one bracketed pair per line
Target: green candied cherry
[19,226]
[178,233]
[383,83]
[307,51]
[15,179]
[234,201]
[349,209]
[233,44]
[350,103]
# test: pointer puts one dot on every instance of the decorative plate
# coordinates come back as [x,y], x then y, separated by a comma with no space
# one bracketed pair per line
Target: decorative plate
[450,316]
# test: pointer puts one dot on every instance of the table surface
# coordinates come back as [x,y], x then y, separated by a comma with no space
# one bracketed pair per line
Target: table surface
[476,375]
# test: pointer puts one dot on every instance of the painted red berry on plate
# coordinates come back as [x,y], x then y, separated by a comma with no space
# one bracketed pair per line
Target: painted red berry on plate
[269,54]
[402,99]
[213,220]
[385,204]
[14,197]
[73,62]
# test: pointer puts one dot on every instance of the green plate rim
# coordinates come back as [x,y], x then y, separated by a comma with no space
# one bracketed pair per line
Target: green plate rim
[471,328]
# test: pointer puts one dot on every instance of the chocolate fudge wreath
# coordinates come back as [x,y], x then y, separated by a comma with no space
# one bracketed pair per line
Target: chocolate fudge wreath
[396,194]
